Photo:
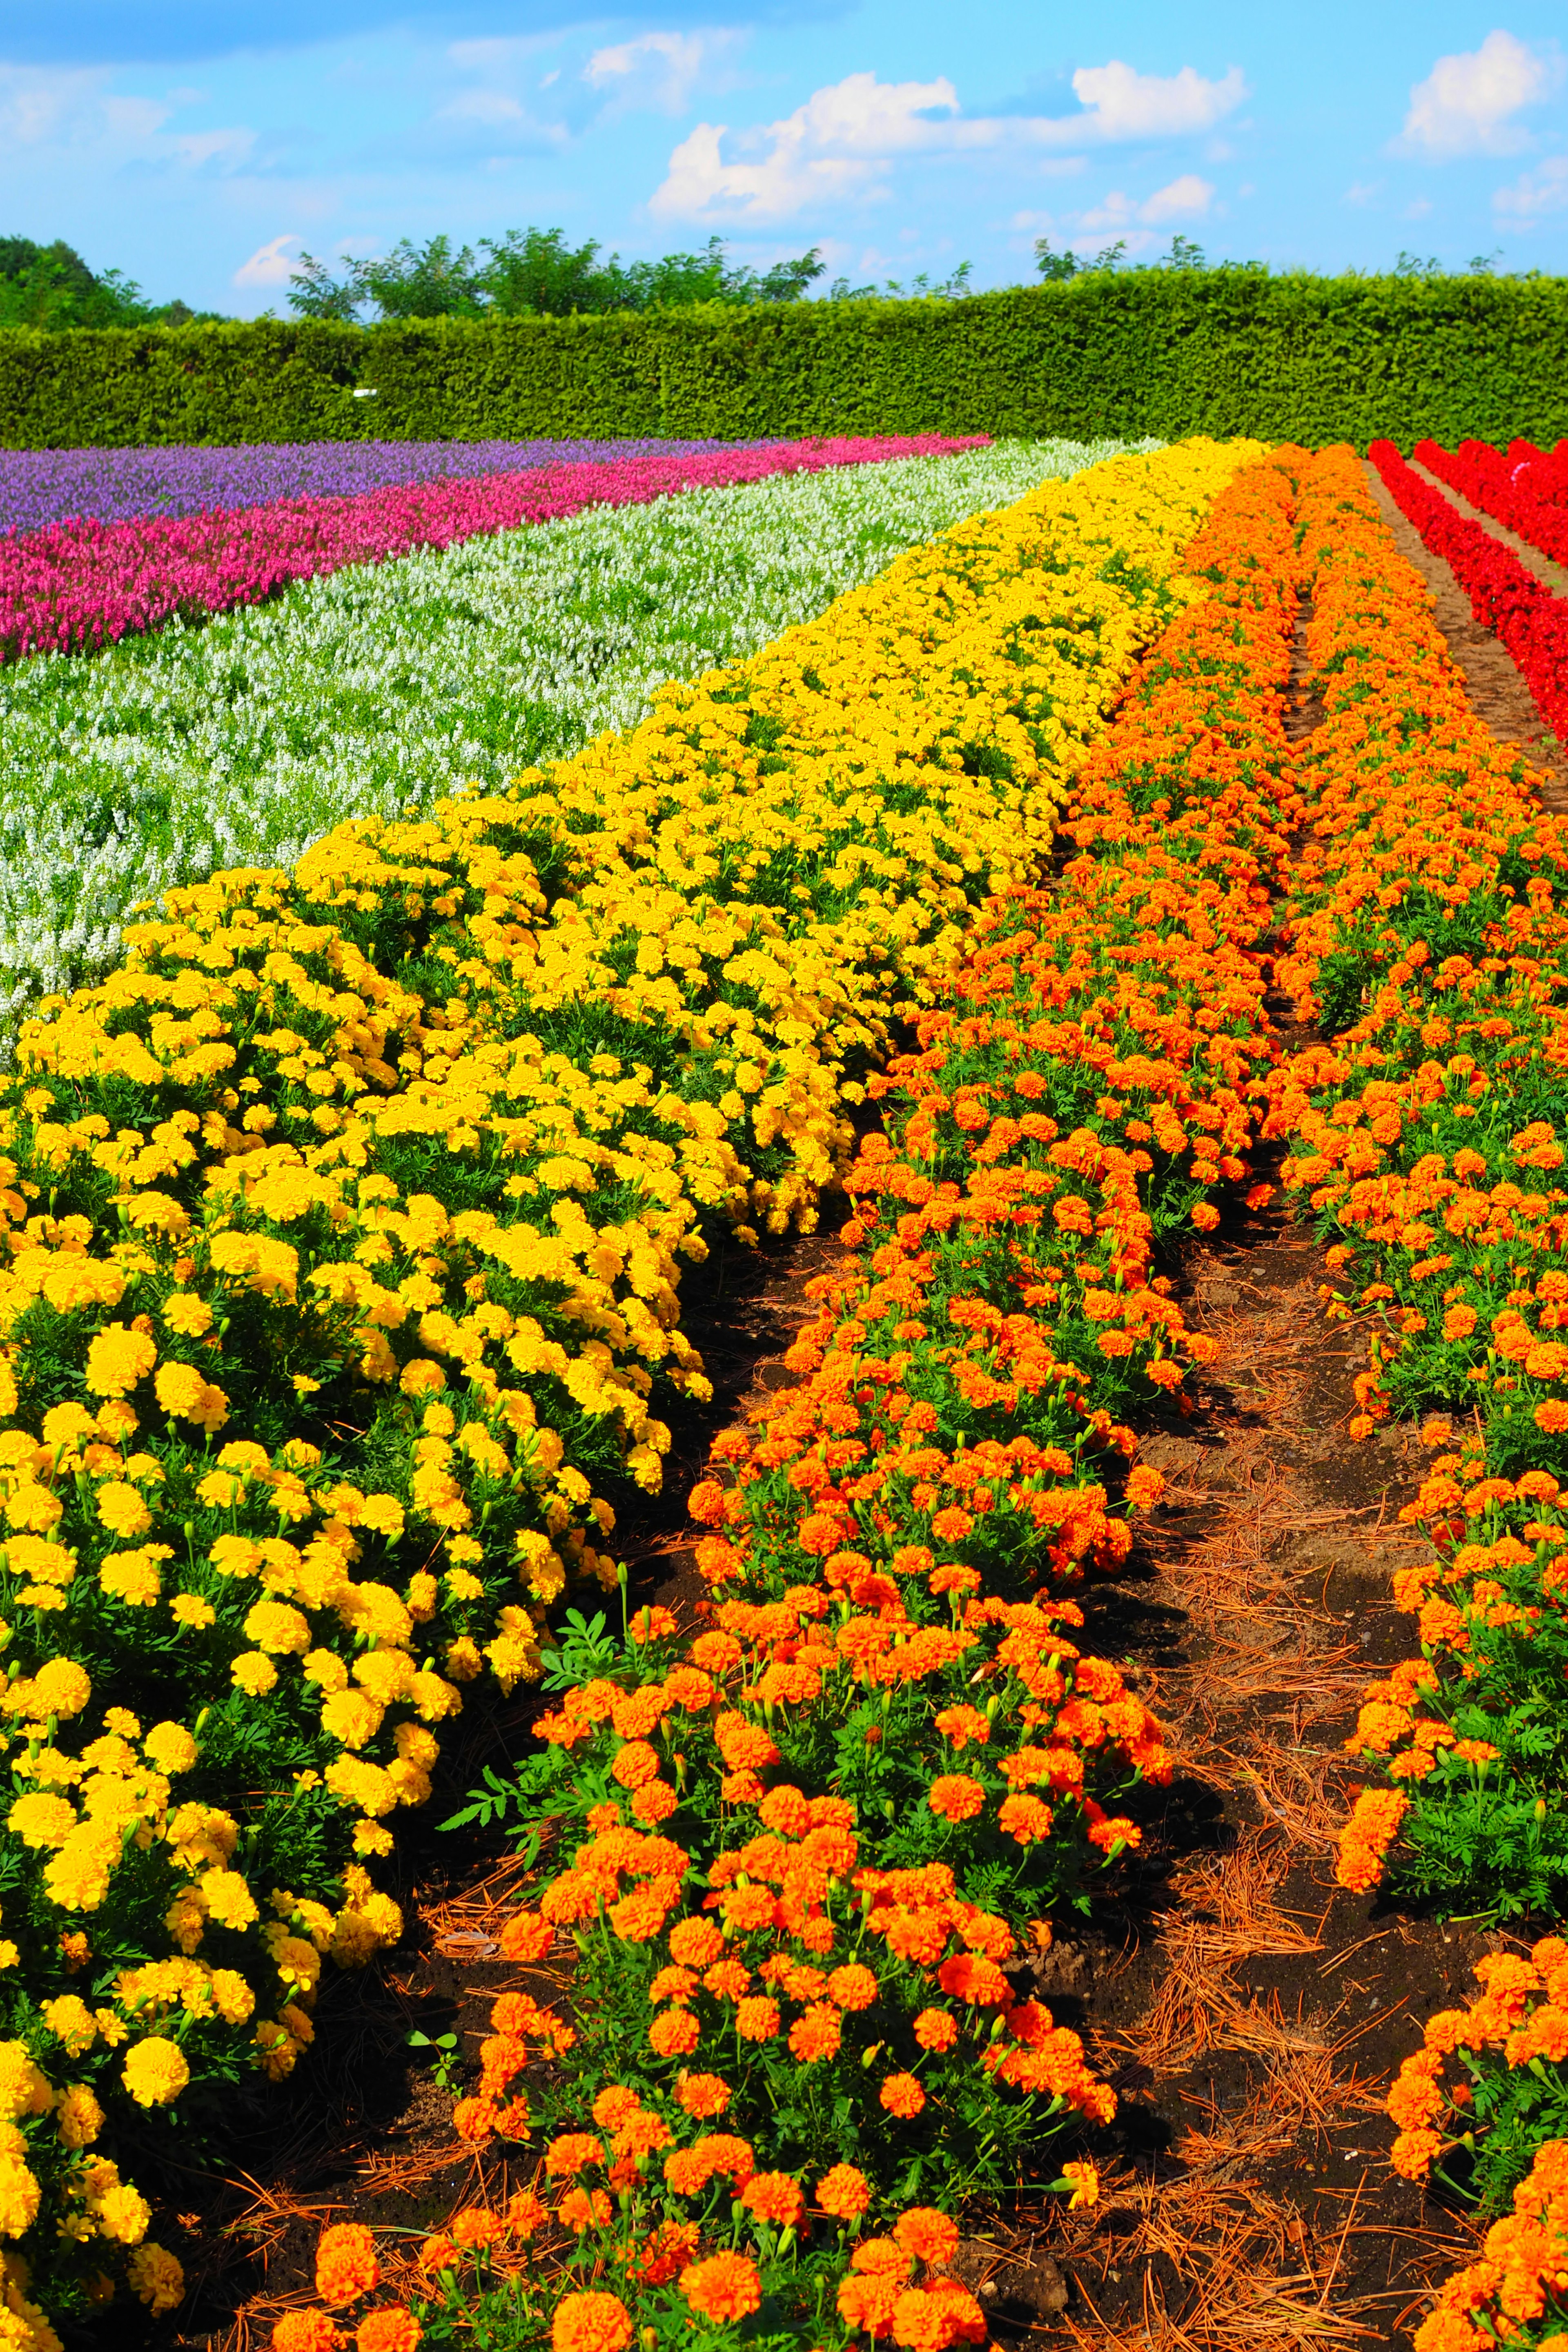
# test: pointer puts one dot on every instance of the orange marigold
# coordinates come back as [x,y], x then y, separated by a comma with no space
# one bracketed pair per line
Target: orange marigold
[346,2266]
[724,2288]
[773,2196]
[591,2323]
[844,2193]
[392,2329]
[930,2236]
[305,2331]
[702,2096]
[902,2096]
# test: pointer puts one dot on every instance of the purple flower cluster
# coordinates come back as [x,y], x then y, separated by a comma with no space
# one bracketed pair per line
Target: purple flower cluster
[75,586]
[44,486]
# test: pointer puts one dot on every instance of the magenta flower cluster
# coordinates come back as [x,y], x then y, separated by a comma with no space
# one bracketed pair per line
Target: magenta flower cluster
[76,586]
[44,486]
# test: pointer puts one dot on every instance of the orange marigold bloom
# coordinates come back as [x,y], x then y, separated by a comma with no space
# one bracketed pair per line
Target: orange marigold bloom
[1026,1819]
[694,1942]
[346,2265]
[844,2193]
[936,2029]
[724,2288]
[676,2032]
[591,2323]
[573,2153]
[902,2096]
[525,2214]
[579,2210]
[476,2225]
[702,2096]
[930,2236]
[305,2331]
[757,2020]
[392,2329]
[955,1796]
[773,2196]
[962,1724]
[815,2034]
[852,1985]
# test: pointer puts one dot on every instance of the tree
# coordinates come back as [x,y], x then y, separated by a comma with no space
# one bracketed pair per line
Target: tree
[535,272]
[50,286]
[920,288]
[1055,267]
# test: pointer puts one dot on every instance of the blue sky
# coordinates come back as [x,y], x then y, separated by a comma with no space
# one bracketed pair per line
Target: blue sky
[201,146]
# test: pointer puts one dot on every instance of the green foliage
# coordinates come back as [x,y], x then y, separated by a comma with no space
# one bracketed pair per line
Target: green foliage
[533,273]
[51,287]
[1164,351]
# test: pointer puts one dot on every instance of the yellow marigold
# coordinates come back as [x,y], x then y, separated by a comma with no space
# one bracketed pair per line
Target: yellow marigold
[118,1359]
[169,1747]
[22,2089]
[19,2197]
[70,2020]
[77,1876]
[40,1820]
[228,1899]
[78,2118]
[155,2071]
[123,1511]
[134,1577]
[254,1672]
[185,1395]
[232,1997]
[351,1717]
[155,2277]
[185,1313]
[122,2213]
[61,1687]
[273,1626]
[190,1608]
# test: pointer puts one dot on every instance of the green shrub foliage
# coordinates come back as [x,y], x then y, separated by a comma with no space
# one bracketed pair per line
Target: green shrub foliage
[1169,352]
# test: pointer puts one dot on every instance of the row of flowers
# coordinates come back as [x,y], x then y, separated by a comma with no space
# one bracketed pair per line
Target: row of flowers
[343,1229]
[815,1847]
[1504,596]
[1424,931]
[84,583]
[1527,489]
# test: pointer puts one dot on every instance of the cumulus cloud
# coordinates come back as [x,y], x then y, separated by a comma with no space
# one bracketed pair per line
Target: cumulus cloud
[1545,190]
[843,142]
[1467,104]
[270,264]
[1122,104]
[1187,198]
[658,70]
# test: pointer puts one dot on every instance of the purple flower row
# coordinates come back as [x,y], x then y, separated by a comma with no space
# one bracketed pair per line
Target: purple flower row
[44,486]
[78,585]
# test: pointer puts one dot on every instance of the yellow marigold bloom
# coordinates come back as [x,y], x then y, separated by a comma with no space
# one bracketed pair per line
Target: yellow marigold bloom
[254,1672]
[134,1577]
[78,2118]
[22,2089]
[122,2212]
[19,2197]
[386,1674]
[44,1563]
[190,1608]
[155,2277]
[70,2020]
[272,1625]
[326,1669]
[228,1899]
[185,1313]
[78,1878]
[123,1511]
[352,1717]
[155,2071]
[232,1996]
[61,1687]
[186,1396]
[117,1359]
[41,1820]
[171,1748]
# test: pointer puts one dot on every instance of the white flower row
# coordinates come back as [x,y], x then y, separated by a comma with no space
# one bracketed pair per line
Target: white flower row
[240,740]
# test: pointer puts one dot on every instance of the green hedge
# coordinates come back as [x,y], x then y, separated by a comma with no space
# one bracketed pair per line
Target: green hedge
[1306,359]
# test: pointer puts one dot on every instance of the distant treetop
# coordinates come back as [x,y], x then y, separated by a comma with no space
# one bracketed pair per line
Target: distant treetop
[535,272]
[51,286]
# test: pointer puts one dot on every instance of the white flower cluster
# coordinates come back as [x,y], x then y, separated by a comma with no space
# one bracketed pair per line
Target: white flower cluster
[240,740]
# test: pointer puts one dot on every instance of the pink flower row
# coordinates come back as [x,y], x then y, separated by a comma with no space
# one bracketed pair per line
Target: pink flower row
[78,585]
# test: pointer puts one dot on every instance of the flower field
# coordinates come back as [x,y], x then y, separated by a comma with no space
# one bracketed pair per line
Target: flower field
[346,1216]
[375,690]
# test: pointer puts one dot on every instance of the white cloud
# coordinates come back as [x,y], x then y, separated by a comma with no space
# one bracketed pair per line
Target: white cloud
[1187,199]
[227,149]
[841,144]
[659,71]
[1362,192]
[1465,104]
[1122,104]
[1543,190]
[270,265]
